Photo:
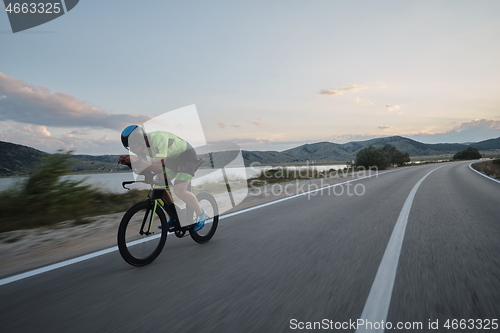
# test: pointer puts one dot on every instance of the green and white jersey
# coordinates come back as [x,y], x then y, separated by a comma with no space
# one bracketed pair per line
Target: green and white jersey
[167,145]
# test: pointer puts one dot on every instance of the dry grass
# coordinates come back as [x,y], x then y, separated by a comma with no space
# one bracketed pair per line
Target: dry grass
[490,168]
[18,211]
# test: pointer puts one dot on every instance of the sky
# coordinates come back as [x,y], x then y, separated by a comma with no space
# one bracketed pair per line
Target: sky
[267,75]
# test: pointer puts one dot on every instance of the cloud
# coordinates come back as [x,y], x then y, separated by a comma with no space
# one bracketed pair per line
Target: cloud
[479,124]
[383,127]
[341,91]
[260,143]
[359,101]
[39,137]
[392,107]
[470,131]
[257,122]
[25,103]
[331,92]
[344,138]
[222,124]
[246,141]
[81,131]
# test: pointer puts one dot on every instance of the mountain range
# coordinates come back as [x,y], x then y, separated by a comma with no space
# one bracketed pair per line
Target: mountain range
[327,152]
[18,159]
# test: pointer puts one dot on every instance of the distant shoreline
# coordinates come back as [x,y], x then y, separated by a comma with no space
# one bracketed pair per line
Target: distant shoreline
[72,174]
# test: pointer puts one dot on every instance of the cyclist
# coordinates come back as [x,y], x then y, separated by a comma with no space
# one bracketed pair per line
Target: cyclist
[167,152]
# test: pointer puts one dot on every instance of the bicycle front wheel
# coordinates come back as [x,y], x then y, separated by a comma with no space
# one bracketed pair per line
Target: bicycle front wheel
[209,205]
[139,239]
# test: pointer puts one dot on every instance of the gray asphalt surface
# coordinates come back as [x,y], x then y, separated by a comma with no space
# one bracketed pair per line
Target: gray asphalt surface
[307,259]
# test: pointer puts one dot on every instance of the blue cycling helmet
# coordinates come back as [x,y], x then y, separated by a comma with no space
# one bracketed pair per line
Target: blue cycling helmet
[126,134]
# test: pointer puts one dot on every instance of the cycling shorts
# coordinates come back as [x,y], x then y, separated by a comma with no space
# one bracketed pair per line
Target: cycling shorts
[183,166]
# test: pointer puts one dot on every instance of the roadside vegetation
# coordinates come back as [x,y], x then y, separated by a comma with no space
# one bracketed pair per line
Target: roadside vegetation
[381,158]
[470,153]
[489,168]
[47,198]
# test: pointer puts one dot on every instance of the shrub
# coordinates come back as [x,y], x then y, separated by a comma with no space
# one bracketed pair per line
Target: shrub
[370,157]
[47,198]
[471,153]
[396,157]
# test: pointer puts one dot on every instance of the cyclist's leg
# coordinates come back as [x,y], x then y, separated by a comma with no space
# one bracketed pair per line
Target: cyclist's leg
[169,174]
[181,190]
[167,198]
[185,166]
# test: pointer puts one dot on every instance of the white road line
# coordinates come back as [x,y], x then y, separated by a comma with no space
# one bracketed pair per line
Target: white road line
[61,264]
[379,299]
[55,266]
[482,174]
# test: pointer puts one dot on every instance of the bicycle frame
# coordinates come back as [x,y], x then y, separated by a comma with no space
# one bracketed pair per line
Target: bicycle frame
[133,220]
[146,217]
[157,187]
[155,196]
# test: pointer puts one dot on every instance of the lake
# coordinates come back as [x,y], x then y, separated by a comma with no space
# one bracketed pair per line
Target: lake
[113,181]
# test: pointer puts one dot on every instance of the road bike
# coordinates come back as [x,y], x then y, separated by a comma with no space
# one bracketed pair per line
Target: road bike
[140,240]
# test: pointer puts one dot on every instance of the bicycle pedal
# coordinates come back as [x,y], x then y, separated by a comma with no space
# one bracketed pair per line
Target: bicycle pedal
[180,233]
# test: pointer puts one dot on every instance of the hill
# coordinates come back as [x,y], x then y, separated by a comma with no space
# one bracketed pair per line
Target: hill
[487,144]
[19,160]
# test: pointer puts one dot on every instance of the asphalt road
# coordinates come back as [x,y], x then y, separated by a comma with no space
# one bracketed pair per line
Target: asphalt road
[305,259]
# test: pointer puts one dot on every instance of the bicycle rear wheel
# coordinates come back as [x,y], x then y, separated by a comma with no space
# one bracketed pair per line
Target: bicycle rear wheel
[209,205]
[139,239]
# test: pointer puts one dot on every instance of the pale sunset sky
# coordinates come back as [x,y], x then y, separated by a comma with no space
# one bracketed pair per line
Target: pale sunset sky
[267,75]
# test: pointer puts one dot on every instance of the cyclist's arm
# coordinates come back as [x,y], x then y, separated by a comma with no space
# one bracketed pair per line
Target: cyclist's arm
[138,162]
[124,160]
